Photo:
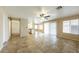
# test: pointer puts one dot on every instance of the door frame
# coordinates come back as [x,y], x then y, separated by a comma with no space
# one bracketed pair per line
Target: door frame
[10,19]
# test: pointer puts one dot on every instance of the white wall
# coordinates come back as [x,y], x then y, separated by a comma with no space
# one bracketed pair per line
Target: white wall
[15,27]
[4,28]
[24,24]
[1,30]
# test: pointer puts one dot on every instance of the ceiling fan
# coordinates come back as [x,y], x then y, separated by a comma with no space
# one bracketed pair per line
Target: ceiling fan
[59,7]
[44,16]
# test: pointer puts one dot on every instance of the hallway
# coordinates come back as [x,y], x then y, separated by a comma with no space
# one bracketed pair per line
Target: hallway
[40,44]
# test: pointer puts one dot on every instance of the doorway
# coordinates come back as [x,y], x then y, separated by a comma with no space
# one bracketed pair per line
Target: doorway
[15,27]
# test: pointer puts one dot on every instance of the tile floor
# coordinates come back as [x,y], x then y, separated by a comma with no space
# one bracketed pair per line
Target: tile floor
[40,44]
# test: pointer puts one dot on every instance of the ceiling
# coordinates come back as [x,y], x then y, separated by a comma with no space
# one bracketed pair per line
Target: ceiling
[31,12]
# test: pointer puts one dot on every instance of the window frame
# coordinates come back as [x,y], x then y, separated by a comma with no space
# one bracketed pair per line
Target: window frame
[70,27]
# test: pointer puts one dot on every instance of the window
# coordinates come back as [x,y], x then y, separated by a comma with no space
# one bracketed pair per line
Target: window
[46,28]
[74,27]
[36,27]
[30,26]
[66,27]
[52,28]
[71,26]
[40,27]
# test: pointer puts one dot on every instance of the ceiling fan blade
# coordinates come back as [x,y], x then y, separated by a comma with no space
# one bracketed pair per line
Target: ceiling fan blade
[47,16]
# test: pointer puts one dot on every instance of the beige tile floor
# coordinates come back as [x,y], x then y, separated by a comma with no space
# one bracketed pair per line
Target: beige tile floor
[40,43]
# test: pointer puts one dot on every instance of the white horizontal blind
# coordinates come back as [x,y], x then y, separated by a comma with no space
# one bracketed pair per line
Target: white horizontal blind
[52,28]
[66,26]
[74,27]
[71,26]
